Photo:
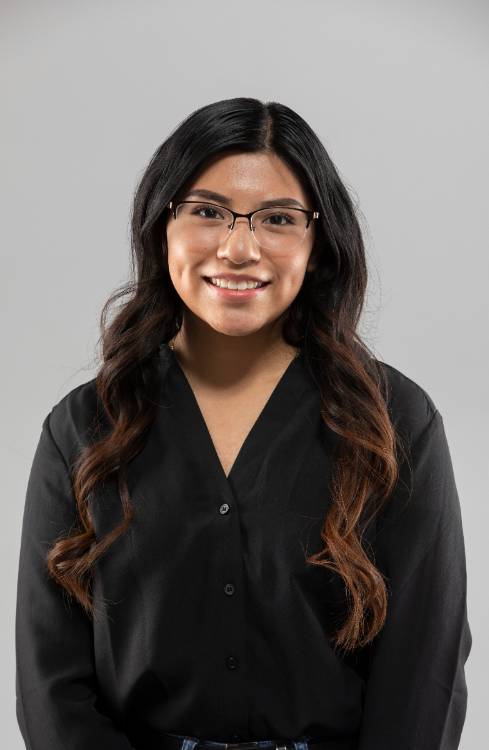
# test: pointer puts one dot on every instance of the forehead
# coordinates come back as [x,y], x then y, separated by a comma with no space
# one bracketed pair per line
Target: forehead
[243,176]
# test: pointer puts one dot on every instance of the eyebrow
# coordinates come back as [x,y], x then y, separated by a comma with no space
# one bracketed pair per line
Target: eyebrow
[213,196]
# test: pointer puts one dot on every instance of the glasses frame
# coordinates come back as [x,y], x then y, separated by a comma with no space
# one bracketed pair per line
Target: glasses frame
[311,215]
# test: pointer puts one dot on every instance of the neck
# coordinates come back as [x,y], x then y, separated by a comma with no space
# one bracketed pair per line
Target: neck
[222,358]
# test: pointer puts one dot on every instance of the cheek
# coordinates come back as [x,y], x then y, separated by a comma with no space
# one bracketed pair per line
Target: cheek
[291,277]
[183,262]
[291,271]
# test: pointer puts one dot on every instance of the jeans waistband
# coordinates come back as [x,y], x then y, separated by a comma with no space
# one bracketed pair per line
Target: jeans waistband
[186,742]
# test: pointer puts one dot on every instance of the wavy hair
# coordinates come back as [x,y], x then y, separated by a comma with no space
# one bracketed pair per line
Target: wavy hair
[322,320]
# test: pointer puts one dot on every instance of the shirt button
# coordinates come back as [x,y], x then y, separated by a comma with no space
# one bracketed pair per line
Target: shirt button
[229,589]
[231,662]
[224,509]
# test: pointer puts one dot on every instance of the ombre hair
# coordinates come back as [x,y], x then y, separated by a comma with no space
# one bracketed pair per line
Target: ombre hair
[322,320]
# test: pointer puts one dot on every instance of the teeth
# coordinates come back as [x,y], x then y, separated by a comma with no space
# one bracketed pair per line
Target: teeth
[226,284]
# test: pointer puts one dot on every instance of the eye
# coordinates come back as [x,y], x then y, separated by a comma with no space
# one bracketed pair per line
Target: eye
[287,219]
[200,209]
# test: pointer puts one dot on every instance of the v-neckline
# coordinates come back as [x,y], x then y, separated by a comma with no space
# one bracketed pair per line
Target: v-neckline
[257,427]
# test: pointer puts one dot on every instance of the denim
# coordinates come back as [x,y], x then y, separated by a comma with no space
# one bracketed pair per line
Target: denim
[188,743]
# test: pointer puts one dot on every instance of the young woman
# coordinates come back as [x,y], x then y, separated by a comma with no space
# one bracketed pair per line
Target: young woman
[245,530]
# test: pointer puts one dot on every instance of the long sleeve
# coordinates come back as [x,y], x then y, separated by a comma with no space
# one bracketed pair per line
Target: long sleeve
[56,685]
[416,694]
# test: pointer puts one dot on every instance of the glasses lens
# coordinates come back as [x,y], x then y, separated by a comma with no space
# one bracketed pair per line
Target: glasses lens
[279,229]
[204,223]
[274,229]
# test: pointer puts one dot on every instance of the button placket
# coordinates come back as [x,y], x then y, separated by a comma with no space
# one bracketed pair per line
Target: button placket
[233,636]
[231,662]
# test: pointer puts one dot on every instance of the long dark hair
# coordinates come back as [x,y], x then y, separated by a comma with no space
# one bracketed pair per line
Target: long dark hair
[322,320]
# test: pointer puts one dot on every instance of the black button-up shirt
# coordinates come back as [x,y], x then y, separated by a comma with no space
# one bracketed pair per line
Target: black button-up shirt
[214,626]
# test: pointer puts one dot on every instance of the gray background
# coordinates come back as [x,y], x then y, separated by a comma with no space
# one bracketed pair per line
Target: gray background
[398,94]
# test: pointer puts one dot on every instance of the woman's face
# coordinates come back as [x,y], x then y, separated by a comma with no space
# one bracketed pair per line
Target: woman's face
[246,179]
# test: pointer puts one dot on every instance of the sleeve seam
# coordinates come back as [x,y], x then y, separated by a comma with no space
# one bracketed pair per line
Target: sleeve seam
[424,432]
[58,449]
[426,428]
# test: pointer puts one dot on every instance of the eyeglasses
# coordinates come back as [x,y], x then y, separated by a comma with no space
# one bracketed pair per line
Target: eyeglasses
[281,228]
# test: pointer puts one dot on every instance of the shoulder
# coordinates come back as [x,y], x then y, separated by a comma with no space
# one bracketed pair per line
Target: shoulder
[72,420]
[79,417]
[425,496]
[411,408]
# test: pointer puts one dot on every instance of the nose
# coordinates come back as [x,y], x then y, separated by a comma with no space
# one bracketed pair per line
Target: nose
[240,244]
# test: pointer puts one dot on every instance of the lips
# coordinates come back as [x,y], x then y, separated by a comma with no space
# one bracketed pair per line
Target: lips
[236,295]
[262,283]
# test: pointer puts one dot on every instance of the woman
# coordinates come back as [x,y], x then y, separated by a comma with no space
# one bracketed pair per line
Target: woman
[245,530]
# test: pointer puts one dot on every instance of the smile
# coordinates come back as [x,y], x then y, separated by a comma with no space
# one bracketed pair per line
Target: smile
[241,290]
[228,284]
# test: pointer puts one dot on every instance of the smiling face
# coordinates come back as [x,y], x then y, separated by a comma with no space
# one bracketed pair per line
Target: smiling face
[246,179]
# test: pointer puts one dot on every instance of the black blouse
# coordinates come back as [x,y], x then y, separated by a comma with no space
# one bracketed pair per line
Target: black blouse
[214,626]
